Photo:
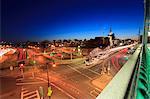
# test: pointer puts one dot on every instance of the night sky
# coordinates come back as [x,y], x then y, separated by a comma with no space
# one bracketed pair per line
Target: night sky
[69,19]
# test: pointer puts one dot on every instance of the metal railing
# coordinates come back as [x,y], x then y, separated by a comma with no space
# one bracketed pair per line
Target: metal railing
[139,86]
[120,86]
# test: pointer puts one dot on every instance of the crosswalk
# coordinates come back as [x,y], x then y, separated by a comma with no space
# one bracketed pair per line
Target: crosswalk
[27,94]
[95,92]
[30,81]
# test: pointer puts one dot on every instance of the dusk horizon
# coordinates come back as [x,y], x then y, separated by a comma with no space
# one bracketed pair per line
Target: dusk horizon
[52,20]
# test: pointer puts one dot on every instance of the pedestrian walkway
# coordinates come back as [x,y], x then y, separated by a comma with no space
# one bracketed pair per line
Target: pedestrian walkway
[27,81]
[102,81]
[27,94]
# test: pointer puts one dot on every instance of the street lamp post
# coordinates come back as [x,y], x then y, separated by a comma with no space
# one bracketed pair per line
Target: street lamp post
[33,73]
[49,87]
[47,74]
[71,56]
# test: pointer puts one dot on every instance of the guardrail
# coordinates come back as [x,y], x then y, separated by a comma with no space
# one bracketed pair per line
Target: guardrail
[137,83]
[142,88]
[140,82]
[119,85]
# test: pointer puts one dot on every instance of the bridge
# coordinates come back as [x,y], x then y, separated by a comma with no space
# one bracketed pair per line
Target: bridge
[133,79]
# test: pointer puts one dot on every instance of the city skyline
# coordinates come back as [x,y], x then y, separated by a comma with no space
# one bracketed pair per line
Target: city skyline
[70,19]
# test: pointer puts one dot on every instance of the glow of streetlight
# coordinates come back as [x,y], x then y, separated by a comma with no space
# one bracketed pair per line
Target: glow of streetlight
[54,65]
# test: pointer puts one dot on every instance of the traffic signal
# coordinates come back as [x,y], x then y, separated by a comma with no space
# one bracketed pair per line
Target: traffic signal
[126,58]
[51,54]
[21,64]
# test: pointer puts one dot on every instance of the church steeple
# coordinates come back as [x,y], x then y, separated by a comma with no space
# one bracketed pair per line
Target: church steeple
[139,31]
[110,30]
[110,37]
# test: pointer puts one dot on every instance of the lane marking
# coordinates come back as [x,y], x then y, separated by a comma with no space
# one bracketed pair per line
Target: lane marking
[26,94]
[94,72]
[77,67]
[94,93]
[28,83]
[79,72]
[19,79]
[25,91]
[34,95]
[98,89]
[86,69]
[30,93]
[57,88]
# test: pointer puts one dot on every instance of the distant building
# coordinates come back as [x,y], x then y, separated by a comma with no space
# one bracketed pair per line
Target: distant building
[116,42]
[97,42]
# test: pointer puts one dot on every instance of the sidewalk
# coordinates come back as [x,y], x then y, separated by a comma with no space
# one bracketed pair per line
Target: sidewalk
[102,81]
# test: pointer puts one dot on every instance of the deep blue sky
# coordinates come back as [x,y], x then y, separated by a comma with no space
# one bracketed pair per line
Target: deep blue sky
[68,19]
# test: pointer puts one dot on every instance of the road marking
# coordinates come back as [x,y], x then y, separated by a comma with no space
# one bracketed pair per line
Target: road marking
[94,72]
[94,93]
[57,88]
[79,72]
[25,91]
[28,83]
[77,67]
[98,89]
[19,79]
[26,94]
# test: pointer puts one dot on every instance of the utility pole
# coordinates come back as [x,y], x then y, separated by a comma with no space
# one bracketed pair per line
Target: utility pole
[22,73]
[47,74]
[33,73]
[139,35]
[71,56]
[49,87]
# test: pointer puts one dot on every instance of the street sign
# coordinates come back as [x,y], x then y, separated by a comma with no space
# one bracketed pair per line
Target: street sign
[49,92]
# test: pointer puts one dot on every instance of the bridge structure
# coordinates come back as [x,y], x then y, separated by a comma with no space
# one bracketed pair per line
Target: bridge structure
[133,79]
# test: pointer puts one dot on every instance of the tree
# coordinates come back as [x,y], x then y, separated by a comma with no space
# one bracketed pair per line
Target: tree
[85,40]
